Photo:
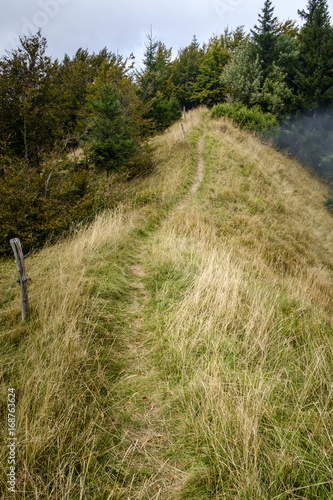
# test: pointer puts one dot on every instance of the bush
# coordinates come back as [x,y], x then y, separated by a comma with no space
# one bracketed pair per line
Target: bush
[165,112]
[250,118]
[34,212]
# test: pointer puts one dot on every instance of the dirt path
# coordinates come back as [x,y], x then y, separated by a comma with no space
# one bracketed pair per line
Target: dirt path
[199,175]
[200,169]
[149,439]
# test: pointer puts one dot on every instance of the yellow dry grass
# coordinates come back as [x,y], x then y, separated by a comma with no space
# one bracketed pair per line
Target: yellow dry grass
[247,338]
[47,356]
[236,334]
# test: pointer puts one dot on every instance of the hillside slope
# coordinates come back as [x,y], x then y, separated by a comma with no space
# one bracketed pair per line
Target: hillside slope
[181,346]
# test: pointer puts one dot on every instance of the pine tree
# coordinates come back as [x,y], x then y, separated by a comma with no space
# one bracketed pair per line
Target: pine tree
[155,85]
[265,35]
[208,89]
[315,79]
[112,136]
[185,71]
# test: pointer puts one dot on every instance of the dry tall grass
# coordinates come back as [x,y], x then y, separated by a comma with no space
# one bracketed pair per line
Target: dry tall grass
[244,313]
[64,362]
[236,336]
[48,361]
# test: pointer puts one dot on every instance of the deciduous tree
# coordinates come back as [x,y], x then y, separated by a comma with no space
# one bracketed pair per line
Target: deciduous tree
[29,110]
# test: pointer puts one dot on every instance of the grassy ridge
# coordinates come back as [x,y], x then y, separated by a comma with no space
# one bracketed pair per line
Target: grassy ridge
[186,350]
[65,361]
[247,346]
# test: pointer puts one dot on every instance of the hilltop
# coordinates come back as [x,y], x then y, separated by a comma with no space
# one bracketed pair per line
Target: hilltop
[180,346]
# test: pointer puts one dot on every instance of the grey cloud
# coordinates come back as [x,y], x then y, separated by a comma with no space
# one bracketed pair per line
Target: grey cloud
[121,25]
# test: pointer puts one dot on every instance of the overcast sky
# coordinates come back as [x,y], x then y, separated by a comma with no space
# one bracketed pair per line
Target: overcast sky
[122,25]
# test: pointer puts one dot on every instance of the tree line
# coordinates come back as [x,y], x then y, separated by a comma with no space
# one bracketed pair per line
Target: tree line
[66,125]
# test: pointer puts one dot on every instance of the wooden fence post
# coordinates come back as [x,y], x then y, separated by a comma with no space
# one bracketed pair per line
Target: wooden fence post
[23,278]
[183,129]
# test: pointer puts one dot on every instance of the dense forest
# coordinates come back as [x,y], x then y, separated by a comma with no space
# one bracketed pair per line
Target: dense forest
[67,126]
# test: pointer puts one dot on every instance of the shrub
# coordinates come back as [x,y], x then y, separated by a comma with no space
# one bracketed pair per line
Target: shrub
[250,118]
[34,212]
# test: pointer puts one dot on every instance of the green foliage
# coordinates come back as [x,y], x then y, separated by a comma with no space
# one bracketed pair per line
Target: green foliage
[75,76]
[41,205]
[155,86]
[208,88]
[315,79]
[326,160]
[288,28]
[46,110]
[265,36]
[275,96]
[232,39]
[246,83]
[111,134]
[329,201]
[165,112]
[243,76]
[29,98]
[309,137]
[196,71]
[287,59]
[185,71]
[263,71]
[251,118]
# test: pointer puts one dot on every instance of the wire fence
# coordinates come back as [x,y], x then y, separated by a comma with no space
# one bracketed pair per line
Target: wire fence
[69,230]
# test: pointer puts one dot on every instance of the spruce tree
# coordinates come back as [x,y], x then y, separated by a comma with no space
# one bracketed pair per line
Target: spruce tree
[112,135]
[155,86]
[315,79]
[208,89]
[265,36]
[185,71]
[147,76]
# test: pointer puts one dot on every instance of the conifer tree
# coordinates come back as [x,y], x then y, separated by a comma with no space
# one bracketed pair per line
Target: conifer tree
[315,79]
[265,35]
[185,71]
[155,85]
[112,135]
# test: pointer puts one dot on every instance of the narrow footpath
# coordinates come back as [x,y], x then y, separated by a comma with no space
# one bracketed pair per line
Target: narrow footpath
[148,432]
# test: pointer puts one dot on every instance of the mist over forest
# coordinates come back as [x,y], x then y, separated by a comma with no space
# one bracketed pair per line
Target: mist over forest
[309,137]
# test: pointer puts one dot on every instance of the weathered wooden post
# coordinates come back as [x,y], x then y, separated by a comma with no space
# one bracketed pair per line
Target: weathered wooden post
[183,129]
[23,278]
